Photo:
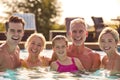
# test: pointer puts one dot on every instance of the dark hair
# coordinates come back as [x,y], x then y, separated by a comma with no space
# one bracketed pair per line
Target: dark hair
[14,19]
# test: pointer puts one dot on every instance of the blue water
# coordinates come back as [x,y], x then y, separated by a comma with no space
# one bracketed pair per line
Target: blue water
[39,73]
[43,74]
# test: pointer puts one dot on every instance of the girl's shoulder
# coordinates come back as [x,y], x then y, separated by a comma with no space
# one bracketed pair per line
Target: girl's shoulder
[45,60]
[74,58]
[104,59]
[23,63]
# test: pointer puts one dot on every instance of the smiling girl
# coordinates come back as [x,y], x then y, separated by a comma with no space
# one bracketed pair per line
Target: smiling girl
[64,63]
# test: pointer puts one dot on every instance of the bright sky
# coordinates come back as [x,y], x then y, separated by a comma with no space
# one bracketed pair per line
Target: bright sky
[86,8]
[1,10]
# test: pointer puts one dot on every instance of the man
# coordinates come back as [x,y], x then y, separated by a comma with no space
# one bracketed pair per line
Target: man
[89,58]
[9,51]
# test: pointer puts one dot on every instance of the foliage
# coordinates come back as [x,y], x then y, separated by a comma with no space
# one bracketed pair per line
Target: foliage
[58,27]
[2,28]
[46,12]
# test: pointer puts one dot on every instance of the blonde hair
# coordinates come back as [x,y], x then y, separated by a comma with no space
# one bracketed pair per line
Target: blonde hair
[36,35]
[77,21]
[59,37]
[112,31]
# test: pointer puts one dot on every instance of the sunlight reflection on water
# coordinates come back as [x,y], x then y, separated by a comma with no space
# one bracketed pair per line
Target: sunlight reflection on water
[39,73]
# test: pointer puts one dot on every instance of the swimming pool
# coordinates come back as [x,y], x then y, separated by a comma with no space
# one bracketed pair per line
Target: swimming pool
[44,73]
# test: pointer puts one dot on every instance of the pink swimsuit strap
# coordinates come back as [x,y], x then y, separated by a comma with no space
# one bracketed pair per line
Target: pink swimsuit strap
[67,68]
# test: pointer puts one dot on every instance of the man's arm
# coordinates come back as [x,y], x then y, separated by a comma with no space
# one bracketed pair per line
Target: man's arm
[104,61]
[2,67]
[96,62]
[79,65]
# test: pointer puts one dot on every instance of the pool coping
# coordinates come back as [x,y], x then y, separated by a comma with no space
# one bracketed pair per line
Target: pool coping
[92,45]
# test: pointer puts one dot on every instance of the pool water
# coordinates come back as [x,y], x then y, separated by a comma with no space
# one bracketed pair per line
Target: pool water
[43,74]
[39,73]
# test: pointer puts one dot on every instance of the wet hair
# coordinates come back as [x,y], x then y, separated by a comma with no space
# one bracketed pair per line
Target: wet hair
[112,31]
[14,19]
[39,35]
[77,21]
[59,37]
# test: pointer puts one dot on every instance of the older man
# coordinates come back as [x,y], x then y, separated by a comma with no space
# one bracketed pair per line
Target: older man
[89,58]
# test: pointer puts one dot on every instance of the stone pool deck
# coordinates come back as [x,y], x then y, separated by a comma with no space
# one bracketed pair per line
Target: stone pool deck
[92,45]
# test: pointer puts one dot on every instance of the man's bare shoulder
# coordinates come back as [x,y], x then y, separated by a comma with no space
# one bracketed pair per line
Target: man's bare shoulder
[88,50]
[118,57]
[2,49]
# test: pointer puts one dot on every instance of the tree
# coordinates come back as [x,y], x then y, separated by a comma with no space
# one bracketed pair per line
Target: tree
[46,12]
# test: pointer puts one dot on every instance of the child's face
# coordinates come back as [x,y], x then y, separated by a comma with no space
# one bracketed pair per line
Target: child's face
[78,34]
[35,46]
[60,47]
[107,43]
